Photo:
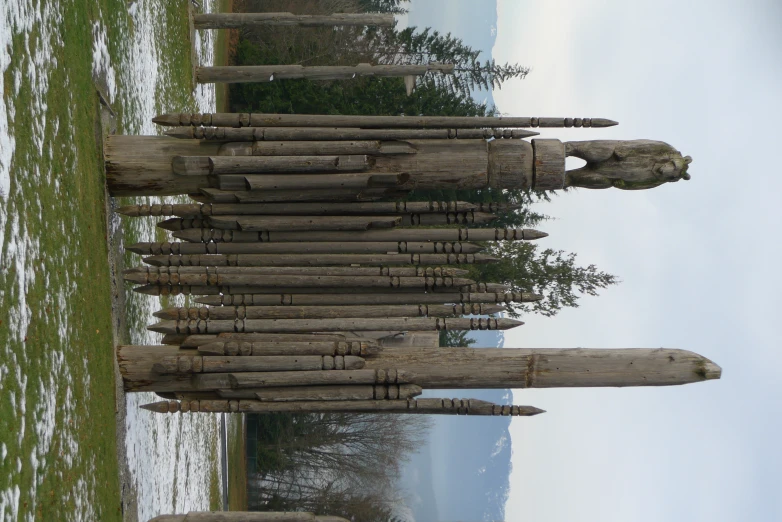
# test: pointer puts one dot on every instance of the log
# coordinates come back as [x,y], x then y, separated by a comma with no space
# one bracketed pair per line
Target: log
[319,181]
[260,224]
[185,364]
[194,341]
[407,271]
[214,381]
[354,392]
[191,327]
[315,312]
[261,348]
[269,73]
[170,276]
[245,134]
[190,210]
[368,122]
[316,148]
[366,247]
[365,299]
[547,368]
[411,234]
[410,292]
[307,260]
[409,406]
[217,165]
[331,195]
[248,20]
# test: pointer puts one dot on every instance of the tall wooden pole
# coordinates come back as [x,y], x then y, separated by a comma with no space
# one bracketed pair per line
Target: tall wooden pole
[368,247]
[269,73]
[230,119]
[247,20]
[304,260]
[366,299]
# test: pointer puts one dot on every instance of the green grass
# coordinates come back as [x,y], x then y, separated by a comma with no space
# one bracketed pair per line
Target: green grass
[57,401]
[222,57]
[237,463]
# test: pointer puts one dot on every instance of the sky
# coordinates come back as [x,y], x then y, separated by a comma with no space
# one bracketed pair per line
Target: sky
[698,259]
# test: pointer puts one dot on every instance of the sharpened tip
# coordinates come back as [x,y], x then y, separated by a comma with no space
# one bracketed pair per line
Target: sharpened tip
[140,278]
[164,327]
[181,133]
[709,370]
[534,411]
[167,120]
[531,234]
[138,248]
[192,235]
[147,290]
[156,260]
[603,122]
[129,210]
[157,407]
[530,297]
[172,224]
[167,313]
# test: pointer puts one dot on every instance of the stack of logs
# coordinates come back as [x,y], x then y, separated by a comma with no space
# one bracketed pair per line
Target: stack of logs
[303,264]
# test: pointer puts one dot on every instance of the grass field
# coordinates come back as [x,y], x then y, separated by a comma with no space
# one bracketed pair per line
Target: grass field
[58,443]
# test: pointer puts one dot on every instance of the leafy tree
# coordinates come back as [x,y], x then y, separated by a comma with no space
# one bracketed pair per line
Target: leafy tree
[455,338]
[383,6]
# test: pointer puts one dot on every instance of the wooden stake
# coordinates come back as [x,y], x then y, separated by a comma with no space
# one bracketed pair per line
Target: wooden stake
[366,299]
[316,148]
[332,325]
[259,348]
[316,260]
[183,364]
[269,73]
[360,392]
[189,210]
[215,195]
[210,165]
[215,381]
[402,271]
[194,341]
[548,368]
[247,20]
[414,406]
[287,134]
[379,247]
[410,292]
[370,122]
[293,223]
[411,234]
[315,312]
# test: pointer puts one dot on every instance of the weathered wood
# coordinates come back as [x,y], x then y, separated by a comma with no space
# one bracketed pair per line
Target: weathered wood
[314,312]
[316,148]
[215,381]
[354,392]
[411,234]
[549,161]
[404,271]
[366,122]
[269,73]
[547,368]
[194,341]
[209,165]
[320,181]
[183,364]
[173,289]
[245,134]
[365,299]
[190,210]
[260,348]
[294,223]
[331,325]
[248,20]
[305,260]
[214,276]
[331,195]
[366,247]
[409,406]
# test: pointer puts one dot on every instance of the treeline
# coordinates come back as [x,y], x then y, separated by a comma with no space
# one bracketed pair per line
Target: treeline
[331,463]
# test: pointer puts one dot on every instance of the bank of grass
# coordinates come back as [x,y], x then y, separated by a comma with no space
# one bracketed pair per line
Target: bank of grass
[225,47]
[237,463]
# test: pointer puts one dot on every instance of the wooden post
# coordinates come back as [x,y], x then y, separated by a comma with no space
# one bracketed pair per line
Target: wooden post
[351,392]
[227,119]
[315,148]
[203,235]
[409,406]
[269,73]
[215,195]
[332,325]
[410,292]
[380,247]
[214,276]
[366,299]
[194,341]
[289,134]
[265,348]
[186,364]
[548,368]
[215,165]
[190,210]
[400,271]
[286,223]
[302,260]
[315,312]
[246,20]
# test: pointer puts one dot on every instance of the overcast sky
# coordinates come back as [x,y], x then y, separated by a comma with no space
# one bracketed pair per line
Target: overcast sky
[699,259]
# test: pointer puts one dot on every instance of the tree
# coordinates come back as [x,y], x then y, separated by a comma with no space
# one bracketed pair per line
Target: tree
[551,273]
[455,338]
[383,6]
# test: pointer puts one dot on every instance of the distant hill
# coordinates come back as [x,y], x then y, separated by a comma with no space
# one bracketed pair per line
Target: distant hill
[463,472]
